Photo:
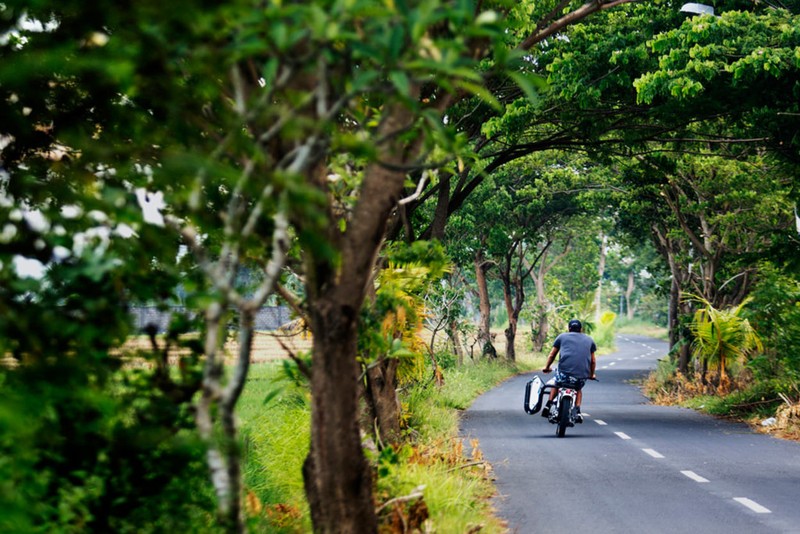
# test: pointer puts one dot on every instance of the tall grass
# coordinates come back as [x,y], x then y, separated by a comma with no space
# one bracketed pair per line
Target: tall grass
[451,474]
[455,478]
[275,420]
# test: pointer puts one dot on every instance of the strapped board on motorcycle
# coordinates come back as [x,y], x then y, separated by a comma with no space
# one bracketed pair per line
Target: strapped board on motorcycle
[563,413]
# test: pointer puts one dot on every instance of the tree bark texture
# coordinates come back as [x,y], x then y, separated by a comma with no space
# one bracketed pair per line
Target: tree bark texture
[337,476]
[382,396]
[629,293]
[336,473]
[484,327]
[514,297]
[543,323]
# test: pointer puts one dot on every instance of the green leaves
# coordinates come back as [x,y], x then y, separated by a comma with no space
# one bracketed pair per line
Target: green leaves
[530,83]
[720,335]
[722,53]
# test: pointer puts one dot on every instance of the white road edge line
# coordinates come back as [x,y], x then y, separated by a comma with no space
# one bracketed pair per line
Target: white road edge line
[600,422]
[754,506]
[694,476]
[653,453]
[622,435]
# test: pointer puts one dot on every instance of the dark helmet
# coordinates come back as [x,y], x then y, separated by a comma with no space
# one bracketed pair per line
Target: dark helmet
[575,325]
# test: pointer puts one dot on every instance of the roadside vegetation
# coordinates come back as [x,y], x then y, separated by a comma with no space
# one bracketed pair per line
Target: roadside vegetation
[435,481]
[641,327]
[744,360]
[482,170]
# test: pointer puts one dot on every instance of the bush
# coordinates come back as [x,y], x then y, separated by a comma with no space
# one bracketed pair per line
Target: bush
[84,452]
[604,333]
[775,315]
[275,413]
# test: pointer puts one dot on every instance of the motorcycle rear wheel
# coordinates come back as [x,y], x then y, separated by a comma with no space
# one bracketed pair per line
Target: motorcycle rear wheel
[564,408]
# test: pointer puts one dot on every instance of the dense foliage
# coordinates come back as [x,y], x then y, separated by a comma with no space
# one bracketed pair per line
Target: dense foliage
[551,157]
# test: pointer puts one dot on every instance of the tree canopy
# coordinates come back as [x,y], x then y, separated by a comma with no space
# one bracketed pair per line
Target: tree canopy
[296,140]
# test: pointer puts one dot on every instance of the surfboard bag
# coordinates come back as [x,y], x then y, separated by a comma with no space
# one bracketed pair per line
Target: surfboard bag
[533,395]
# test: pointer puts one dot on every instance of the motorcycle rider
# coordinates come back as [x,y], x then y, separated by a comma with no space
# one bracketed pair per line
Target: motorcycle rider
[576,364]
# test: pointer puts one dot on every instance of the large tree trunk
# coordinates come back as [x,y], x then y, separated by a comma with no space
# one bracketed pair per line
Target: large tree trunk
[440,214]
[337,476]
[676,309]
[484,326]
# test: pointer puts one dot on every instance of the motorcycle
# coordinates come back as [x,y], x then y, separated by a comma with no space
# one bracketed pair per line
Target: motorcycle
[562,412]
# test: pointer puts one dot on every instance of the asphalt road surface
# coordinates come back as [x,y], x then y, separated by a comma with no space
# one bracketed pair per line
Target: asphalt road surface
[633,467]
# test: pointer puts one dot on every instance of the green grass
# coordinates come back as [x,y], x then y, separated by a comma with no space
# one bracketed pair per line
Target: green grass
[457,486]
[456,482]
[758,400]
[642,328]
[275,420]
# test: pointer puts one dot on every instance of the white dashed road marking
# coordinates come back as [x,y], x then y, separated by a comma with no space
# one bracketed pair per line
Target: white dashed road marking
[744,501]
[754,506]
[694,476]
[653,453]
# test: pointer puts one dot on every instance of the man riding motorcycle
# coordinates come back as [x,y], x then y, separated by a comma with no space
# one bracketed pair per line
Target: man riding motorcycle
[576,364]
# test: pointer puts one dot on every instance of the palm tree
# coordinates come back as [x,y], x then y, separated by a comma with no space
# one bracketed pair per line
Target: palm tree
[719,335]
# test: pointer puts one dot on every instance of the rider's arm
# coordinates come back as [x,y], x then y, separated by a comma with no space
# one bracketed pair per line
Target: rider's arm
[592,366]
[550,359]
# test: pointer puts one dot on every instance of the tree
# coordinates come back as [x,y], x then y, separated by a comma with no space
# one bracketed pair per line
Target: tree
[711,218]
[313,113]
[168,110]
[634,266]
[742,61]
[720,335]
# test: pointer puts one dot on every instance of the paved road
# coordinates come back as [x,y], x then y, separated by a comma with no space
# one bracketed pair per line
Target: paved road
[632,467]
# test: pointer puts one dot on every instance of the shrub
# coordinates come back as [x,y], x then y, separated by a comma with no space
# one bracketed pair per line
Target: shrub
[604,333]
[87,453]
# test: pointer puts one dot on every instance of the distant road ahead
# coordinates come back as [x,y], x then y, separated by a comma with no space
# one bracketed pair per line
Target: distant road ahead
[633,467]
